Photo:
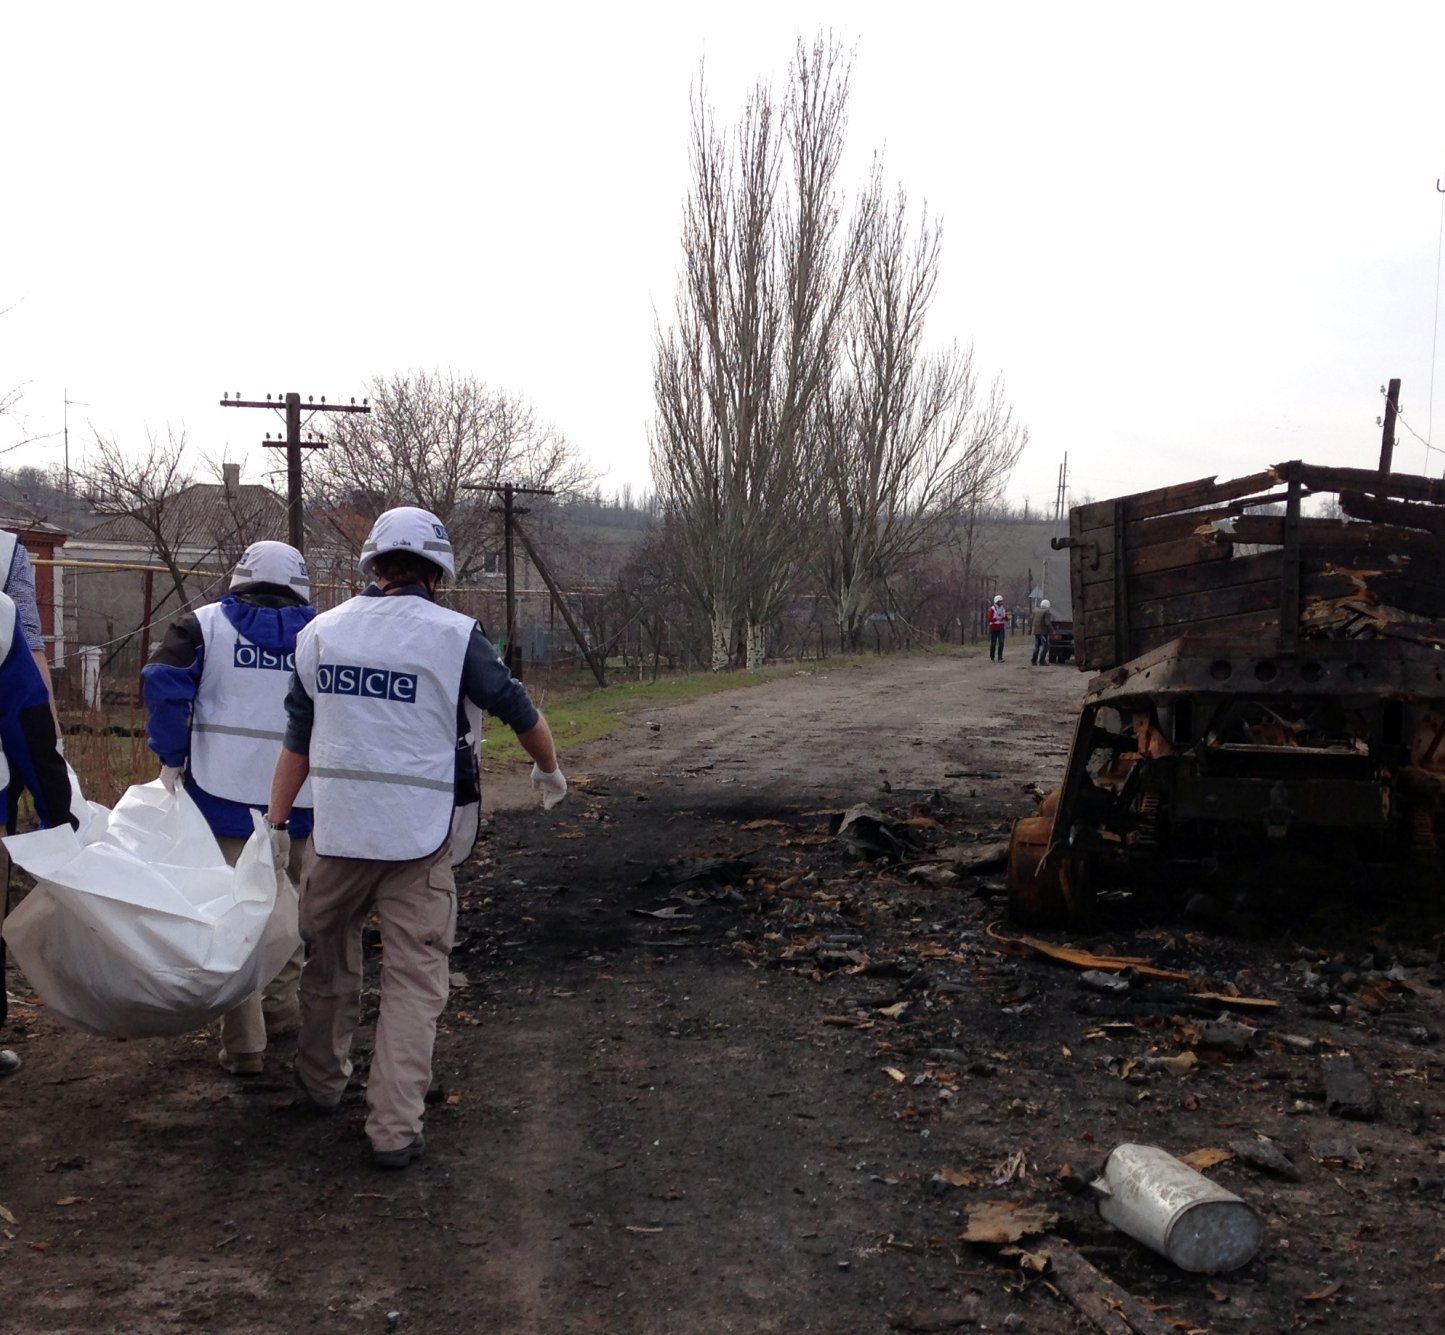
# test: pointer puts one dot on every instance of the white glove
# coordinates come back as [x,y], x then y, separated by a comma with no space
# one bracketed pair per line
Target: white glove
[170,777]
[553,786]
[280,851]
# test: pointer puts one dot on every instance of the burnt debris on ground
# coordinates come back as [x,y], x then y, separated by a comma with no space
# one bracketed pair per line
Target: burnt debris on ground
[1299,1070]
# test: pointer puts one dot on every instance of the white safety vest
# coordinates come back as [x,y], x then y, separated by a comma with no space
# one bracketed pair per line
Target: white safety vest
[7,638]
[239,716]
[383,675]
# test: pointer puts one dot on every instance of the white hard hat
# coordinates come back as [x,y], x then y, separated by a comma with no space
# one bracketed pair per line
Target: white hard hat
[273,563]
[409,528]
[998,597]
[1043,604]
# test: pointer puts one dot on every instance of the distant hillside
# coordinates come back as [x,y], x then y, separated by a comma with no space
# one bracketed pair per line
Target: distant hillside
[1010,549]
[593,540]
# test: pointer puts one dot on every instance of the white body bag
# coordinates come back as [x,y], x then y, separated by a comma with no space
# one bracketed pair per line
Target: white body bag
[137,927]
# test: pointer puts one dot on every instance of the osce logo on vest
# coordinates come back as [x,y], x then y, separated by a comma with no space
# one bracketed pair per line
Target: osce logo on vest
[374,683]
[248,655]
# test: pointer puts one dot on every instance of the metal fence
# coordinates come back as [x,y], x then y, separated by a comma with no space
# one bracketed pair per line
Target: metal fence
[106,619]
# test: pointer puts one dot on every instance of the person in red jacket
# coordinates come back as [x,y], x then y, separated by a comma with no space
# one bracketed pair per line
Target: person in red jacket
[997,624]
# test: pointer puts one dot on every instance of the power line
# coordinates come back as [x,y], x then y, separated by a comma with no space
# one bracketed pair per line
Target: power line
[1399,414]
[1435,334]
[290,406]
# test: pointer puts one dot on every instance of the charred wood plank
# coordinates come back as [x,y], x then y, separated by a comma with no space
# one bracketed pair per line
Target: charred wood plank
[1184,611]
[1419,597]
[1186,553]
[1121,585]
[1201,576]
[1194,495]
[1289,572]
[1322,586]
[1168,528]
[1111,1309]
[1358,505]
[1087,612]
[1333,535]
[1406,486]
[1097,652]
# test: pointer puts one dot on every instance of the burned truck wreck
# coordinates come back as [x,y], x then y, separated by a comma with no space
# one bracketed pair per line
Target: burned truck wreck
[1270,691]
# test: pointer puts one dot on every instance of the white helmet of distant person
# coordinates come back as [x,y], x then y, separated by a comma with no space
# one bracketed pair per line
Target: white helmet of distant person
[409,528]
[1043,604]
[998,597]
[273,563]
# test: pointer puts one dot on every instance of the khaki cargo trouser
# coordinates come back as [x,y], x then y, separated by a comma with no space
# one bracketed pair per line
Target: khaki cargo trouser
[243,1030]
[416,902]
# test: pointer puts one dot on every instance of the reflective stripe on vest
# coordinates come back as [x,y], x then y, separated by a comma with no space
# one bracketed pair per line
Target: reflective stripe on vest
[238,719]
[383,675]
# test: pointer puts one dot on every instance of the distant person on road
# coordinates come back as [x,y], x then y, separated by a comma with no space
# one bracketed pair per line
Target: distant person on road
[997,628]
[1043,625]
[215,691]
[19,586]
[375,711]
[29,759]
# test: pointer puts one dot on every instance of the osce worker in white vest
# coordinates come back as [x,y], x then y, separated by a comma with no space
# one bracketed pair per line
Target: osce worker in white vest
[374,712]
[215,695]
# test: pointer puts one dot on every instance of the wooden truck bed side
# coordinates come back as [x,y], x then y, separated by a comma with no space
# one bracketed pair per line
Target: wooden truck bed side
[1201,558]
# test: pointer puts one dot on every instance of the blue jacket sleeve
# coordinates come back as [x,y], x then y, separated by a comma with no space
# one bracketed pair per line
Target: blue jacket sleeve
[169,693]
[27,733]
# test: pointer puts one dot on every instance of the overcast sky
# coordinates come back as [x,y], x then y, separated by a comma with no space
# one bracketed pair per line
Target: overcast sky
[1193,238]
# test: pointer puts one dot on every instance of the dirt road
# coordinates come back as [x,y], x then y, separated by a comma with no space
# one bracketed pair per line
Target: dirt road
[706,1069]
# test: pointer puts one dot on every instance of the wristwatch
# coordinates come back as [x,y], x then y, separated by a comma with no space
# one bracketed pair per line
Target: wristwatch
[277,824]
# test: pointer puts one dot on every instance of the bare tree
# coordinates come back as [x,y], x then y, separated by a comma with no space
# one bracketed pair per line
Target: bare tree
[9,415]
[145,490]
[910,454]
[766,269]
[897,424]
[430,439]
[182,526]
[994,445]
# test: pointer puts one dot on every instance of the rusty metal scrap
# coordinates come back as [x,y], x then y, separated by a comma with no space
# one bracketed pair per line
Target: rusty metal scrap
[1270,676]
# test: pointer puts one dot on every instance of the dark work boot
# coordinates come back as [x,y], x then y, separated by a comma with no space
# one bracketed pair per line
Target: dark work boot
[399,1158]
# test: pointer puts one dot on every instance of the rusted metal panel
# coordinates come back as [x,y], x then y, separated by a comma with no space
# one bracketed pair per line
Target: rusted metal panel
[1313,800]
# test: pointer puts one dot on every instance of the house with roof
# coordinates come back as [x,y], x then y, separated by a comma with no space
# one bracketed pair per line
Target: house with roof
[131,574]
[42,541]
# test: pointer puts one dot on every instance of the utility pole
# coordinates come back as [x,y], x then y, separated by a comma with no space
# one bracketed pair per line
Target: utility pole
[1387,435]
[509,511]
[1061,499]
[593,661]
[65,419]
[290,406]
